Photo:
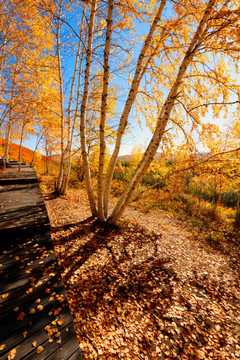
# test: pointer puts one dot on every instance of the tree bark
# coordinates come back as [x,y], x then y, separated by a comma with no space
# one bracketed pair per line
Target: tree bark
[71,124]
[163,117]
[139,72]
[20,146]
[83,112]
[35,150]
[62,163]
[101,214]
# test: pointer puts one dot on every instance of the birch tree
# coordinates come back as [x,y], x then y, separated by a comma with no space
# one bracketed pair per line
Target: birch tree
[25,63]
[184,61]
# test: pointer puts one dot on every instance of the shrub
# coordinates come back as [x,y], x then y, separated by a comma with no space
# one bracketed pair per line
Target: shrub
[237,219]
[117,188]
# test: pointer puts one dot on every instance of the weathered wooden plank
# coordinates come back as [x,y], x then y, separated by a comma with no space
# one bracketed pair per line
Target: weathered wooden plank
[57,350]
[33,303]
[63,352]
[74,356]
[14,277]
[38,331]
[23,315]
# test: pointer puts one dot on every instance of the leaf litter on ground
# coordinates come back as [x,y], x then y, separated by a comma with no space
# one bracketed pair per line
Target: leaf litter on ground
[146,289]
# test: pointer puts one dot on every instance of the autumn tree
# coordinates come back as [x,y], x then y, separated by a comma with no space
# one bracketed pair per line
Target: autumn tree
[26,65]
[68,25]
[187,61]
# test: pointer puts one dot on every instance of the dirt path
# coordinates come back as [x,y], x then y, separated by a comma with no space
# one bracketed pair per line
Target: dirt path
[181,245]
[146,290]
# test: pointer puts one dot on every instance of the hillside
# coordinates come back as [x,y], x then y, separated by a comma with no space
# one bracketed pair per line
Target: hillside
[26,156]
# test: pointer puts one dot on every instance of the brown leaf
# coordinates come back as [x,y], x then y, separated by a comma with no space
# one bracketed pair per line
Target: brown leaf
[39,349]
[12,354]
[60,322]
[21,316]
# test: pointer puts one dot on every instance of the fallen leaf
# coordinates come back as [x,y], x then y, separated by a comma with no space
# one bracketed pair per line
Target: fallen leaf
[38,301]
[4,296]
[40,307]
[39,349]
[34,343]
[2,347]
[21,316]
[12,354]
[60,322]
[32,311]
[16,308]
[24,334]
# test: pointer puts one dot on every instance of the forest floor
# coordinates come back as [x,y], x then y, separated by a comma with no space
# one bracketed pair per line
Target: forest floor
[150,288]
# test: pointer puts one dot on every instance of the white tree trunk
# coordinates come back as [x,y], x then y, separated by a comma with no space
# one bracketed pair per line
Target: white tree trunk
[83,112]
[139,72]
[70,123]
[104,111]
[62,118]
[163,117]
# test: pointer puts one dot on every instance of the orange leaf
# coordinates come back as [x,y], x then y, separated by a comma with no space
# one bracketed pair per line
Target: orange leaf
[40,307]
[2,347]
[24,334]
[34,343]
[16,308]
[21,316]
[4,296]
[12,354]
[32,311]
[39,349]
